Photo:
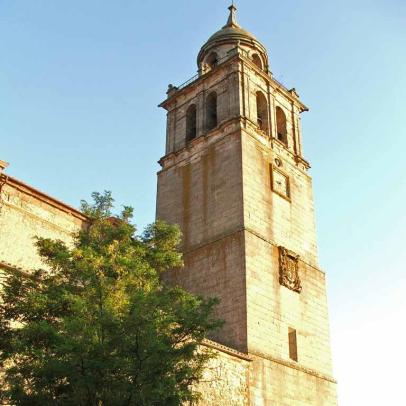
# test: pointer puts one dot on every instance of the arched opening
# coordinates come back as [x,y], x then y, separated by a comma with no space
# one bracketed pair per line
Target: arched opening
[258,61]
[262,112]
[212,60]
[281,126]
[191,123]
[211,111]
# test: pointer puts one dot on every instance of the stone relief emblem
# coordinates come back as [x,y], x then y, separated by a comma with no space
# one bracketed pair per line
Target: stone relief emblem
[280,183]
[289,269]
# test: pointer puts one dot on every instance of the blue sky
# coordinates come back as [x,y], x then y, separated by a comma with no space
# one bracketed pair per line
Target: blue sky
[80,82]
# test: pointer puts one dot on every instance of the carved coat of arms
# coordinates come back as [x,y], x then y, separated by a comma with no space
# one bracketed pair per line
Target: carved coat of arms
[289,269]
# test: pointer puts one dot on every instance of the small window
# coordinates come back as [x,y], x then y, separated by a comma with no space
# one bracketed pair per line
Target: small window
[281,126]
[212,60]
[191,123]
[257,60]
[292,344]
[211,111]
[262,112]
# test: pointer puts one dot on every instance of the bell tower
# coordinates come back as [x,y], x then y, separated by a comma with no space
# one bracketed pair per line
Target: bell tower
[235,180]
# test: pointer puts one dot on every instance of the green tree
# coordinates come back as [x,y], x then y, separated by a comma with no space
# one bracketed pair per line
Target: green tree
[98,327]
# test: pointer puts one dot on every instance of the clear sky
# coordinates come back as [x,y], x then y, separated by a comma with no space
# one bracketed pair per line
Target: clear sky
[79,86]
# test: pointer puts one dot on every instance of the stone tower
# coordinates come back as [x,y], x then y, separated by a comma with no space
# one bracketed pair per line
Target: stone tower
[235,180]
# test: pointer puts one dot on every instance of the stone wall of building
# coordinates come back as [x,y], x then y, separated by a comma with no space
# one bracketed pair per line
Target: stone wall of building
[271,221]
[196,185]
[276,383]
[273,309]
[26,213]
[201,190]
[236,224]
[289,222]
[226,378]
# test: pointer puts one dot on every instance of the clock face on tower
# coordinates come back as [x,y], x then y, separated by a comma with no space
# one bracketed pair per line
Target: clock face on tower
[280,183]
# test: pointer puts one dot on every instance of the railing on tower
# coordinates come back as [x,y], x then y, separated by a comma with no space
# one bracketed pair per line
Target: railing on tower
[219,62]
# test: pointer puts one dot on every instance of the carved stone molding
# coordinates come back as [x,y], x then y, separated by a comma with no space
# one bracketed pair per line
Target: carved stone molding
[289,269]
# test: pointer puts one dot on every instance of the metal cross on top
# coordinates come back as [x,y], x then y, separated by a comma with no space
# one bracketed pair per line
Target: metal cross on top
[232,19]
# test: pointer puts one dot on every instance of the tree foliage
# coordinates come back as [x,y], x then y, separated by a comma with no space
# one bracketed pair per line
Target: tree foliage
[98,327]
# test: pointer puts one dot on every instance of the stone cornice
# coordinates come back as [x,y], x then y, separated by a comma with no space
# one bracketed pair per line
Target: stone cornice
[197,143]
[270,143]
[165,104]
[202,90]
[176,156]
[222,348]
[301,160]
[31,191]
[36,217]
[291,95]
[251,231]
[3,165]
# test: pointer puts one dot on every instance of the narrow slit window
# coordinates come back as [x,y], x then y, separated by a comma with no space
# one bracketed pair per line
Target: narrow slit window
[292,344]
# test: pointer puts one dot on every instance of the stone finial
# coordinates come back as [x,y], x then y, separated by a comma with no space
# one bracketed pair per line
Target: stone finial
[232,18]
[171,90]
[293,92]
[3,165]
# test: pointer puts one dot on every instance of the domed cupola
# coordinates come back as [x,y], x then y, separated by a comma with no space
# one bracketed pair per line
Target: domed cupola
[229,37]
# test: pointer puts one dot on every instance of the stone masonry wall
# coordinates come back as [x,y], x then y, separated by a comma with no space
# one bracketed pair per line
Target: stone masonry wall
[287,222]
[272,220]
[273,308]
[207,197]
[202,192]
[277,384]
[225,380]
[200,189]
[26,213]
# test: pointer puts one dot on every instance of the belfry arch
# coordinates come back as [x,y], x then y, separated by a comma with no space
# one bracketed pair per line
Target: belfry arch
[261,105]
[281,129]
[211,111]
[191,122]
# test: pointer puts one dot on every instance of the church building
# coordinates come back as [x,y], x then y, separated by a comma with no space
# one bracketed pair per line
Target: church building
[234,178]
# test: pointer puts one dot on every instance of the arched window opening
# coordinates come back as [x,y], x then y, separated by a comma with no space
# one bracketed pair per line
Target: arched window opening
[257,60]
[212,60]
[191,123]
[262,112]
[211,111]
[281,126]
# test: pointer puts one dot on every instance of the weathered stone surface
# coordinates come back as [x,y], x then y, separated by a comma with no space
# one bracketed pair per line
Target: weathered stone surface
[221,188]
[226,379]
[26,213]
